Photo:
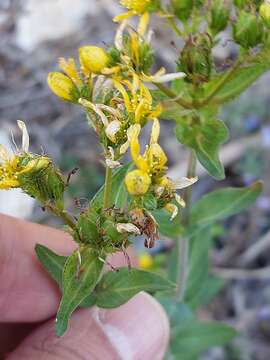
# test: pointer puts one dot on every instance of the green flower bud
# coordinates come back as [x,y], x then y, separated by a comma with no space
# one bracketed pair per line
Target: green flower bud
[182,8]
[196,59]
[248,30]
[219,16]
[265,13]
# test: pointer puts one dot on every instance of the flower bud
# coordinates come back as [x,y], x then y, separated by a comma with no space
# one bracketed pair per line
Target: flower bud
[137,182]
[93,59]
[196,59]
[219,16]
[265,13]
[62,86]
[248,30]
[182,8]
[146,261]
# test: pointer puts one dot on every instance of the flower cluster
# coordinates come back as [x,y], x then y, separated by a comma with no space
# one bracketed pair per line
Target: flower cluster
[110,84]
[34,174]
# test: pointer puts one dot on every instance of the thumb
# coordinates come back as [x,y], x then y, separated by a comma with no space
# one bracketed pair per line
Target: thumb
[136,330]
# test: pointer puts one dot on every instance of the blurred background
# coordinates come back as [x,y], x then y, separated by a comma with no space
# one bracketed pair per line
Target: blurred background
[33,35]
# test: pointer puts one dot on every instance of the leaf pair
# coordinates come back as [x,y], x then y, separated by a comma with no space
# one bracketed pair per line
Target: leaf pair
[112,290]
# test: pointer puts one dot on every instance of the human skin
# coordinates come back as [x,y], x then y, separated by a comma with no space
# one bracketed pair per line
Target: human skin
[29,300]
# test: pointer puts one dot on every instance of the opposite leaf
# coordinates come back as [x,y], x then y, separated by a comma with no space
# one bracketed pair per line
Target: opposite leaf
[117,287]
[205,139]
[222,203]
[52,262]
[79,280]
[189,342]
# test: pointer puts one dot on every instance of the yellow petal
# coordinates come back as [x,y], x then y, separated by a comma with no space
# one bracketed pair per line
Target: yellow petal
[143,23]
[155,132]
[61,85]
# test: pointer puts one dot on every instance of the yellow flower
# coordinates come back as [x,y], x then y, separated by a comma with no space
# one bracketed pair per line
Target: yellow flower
[146,261]
[12,167]
[93,59]
[138,6]
[137,182]
[62,86]
[138,100]
[70,69]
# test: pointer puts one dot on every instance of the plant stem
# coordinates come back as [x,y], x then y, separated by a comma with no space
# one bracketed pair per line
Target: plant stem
[174,26]
[63,214]
[107,188]
[185,104]
[183,247]
[220,84]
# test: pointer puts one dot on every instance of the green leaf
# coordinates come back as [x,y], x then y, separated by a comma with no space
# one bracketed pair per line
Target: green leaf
[52,262]
[167,227]
[197,337]
[205,139]
[198,259]
[117,287]
[79,281]
[207,291]
[222,203]
[118,194]
[238,82]
[179,314]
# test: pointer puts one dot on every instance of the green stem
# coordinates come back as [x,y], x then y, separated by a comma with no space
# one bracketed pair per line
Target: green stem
[107,188]
[185,104]
[219,84]
[63,214]
[173,25]
[183,247]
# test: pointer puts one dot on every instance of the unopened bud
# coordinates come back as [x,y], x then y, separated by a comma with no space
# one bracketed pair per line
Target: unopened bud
[265,13]
[62,86]
[137,182]
[93,59]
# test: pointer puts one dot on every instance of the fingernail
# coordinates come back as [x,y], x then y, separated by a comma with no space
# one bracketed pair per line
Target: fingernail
[138,329]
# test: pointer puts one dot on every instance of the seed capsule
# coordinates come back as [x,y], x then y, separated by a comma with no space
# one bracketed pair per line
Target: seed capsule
[182,8]
[248,30]
[219,16]
[196,58]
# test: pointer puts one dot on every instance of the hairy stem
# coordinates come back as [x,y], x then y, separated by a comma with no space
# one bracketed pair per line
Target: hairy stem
[107,188]
[63,214]
[183,247]
[185,104]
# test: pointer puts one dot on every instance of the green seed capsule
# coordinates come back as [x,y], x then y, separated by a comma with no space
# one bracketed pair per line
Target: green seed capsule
[182,8]
[196,59]
[219,16]
[248,30]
